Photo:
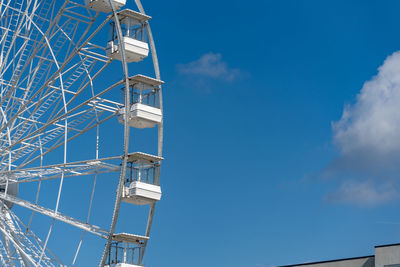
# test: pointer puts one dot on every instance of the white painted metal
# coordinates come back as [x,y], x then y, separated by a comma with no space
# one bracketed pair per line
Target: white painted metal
[135,50]
[142,186]
[139,193]
[143,157]
[55,215]
[133,239]
[10,187]
[53,92]
[141,116]
[131,14]
[137,79]
[126,253]
[104,5]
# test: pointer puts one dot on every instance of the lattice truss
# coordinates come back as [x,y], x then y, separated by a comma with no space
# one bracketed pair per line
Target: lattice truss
[42,87]
[19,244]
[48,65]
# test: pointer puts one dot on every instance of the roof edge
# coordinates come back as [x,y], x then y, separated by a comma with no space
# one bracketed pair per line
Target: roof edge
[388,245]
[319,262]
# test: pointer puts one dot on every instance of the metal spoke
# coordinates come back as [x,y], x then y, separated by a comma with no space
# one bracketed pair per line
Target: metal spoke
[26,247]
[55,215]
[59,88]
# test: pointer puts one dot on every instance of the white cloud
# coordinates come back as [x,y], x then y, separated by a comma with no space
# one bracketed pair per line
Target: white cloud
[372,124]
[210,65]
[368,137]
[363,193]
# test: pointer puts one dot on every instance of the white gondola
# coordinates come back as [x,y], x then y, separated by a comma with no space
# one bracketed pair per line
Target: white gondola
[104,5]
[126,250]
[142,185]
[133,25]
[144,110]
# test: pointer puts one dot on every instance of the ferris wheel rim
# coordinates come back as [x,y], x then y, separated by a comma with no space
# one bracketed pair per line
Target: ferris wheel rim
[126,128]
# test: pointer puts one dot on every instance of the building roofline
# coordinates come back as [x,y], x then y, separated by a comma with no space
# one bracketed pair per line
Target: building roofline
[388,245]
[319,262]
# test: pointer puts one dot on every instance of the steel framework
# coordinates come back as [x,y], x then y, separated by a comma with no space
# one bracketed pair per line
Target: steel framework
[59,103]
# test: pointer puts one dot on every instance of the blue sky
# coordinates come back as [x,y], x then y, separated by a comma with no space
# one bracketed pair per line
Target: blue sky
[282,136]
[261,169]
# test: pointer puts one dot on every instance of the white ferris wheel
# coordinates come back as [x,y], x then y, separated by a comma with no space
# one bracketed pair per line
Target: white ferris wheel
[81,132]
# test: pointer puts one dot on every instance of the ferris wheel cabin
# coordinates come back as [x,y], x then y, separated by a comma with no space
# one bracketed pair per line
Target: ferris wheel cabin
[144,109]
[126,250]
[104,5]
[142,183]
[134,36]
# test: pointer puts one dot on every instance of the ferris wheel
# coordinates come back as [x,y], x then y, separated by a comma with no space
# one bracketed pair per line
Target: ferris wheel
[79,82]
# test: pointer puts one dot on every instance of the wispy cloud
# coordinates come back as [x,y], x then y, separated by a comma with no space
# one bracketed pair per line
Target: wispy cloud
[210,65]
[368,137]
[363,193]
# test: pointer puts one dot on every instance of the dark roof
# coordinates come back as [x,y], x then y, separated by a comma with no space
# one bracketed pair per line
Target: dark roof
[318,262]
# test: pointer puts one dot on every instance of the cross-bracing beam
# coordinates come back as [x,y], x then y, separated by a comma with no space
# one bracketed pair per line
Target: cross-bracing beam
[24,250]
[50,172]
[55,215]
